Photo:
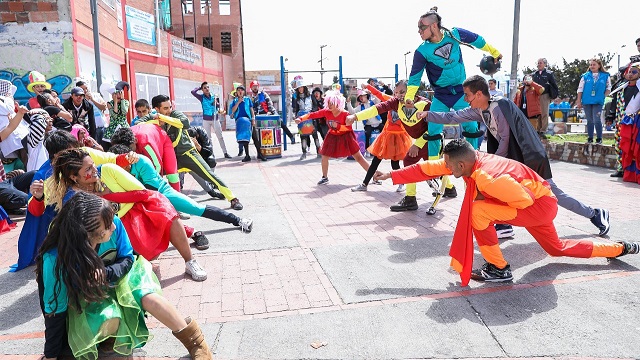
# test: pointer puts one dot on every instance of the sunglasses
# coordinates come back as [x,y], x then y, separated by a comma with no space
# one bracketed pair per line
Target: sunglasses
[634,71]
[423,27]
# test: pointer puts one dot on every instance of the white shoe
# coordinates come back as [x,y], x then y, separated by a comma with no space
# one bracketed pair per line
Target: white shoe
[360,187]
[195,270]
[184,216]
[400,188]
[246,225]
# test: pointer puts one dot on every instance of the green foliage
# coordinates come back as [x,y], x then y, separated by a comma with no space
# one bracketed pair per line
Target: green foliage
[568,77]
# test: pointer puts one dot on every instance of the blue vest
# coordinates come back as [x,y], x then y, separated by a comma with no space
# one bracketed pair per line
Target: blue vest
[593,92]
[247,107]
[209,105]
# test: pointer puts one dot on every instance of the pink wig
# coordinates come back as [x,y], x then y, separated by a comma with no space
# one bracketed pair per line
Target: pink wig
[76,129]
[335,98]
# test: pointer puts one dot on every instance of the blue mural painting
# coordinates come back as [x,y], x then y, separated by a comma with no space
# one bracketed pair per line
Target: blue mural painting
[22,96]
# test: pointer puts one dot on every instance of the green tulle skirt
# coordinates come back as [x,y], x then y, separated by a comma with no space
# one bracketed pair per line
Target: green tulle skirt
[120,316]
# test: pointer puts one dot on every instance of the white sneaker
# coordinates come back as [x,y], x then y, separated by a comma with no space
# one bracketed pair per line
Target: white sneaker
[184,216]
[360,187]
[246,225]
[195,270]
[400,188]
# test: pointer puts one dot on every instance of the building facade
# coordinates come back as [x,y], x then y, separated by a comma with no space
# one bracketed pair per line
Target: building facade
[213,24]
[55,37]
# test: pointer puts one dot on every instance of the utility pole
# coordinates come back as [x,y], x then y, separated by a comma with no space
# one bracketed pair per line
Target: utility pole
[514,50]
[96,42]
[406,73]
[623,46]
[321,67]
[195,32]
[183,9]
[209,21]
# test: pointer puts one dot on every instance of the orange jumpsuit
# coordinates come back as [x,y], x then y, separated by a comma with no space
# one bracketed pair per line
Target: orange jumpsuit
[513,194]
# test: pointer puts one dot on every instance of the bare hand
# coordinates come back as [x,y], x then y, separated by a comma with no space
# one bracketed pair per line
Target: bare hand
[422,115]
[496,60]
[350,120]
[37,189]
[408,103]
[578,104]
[132,157]
[87,95]
[297,120]
[22,110]
[379,175]
[413,151]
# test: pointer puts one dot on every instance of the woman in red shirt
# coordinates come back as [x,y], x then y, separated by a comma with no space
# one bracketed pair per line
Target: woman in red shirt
[340,140]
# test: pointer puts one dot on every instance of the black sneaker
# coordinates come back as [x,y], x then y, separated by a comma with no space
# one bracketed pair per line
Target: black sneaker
[216,194]
[617,174]
[227,156]
[246,158]
[629,248]
[323,181]
[407,203]
[599,141]
[450,193]
[601,220]
[202,243]
[236,205]
[504,231]
[490,273]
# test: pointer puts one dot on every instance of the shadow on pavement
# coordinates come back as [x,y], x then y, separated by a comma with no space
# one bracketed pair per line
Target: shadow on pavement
[21,311]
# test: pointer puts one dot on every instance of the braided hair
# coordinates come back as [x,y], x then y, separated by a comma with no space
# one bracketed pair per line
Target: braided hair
[78,265]
[432,14]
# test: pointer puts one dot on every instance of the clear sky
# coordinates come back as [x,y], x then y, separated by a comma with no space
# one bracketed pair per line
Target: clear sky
[373,35]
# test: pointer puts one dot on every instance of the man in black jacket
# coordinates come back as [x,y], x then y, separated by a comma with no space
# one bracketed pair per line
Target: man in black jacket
[545,78]
[511,135]
[81,110]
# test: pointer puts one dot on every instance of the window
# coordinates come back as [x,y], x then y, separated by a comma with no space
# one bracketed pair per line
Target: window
[151,85]
[190,39]
[225,42]
[207,42]
[165,15]
[205,7]
[225,7]
[187,6]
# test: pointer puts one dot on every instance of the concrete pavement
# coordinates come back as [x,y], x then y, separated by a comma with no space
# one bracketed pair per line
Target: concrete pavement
[327,265]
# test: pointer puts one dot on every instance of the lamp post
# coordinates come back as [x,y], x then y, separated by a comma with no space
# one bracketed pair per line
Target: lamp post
[406,74]
[623,46]
[321,67]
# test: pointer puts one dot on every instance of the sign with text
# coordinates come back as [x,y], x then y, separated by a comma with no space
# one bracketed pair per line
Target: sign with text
[183,50]
[141,26]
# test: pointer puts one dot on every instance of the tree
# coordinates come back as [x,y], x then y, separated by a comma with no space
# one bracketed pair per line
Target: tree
[568,77]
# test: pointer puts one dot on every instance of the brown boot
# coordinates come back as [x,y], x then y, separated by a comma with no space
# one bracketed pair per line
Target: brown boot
[193,339]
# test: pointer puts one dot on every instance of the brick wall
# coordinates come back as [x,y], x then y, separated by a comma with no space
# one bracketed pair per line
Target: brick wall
[111,36]
[219,23]
[580,153]
[23,12]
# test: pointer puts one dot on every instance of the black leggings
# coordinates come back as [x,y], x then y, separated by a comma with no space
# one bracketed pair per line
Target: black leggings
[368,129]
[305,141]
[395,165]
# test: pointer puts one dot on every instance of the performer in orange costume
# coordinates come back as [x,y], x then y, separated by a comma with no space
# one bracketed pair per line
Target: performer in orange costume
[504,191]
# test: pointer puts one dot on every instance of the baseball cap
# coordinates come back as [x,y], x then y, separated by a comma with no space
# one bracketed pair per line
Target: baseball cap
[77,91]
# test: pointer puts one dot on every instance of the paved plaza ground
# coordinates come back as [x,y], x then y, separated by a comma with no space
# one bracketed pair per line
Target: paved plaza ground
[329,266]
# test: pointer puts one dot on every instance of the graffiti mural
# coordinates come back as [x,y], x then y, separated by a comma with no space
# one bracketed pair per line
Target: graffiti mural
[22,96]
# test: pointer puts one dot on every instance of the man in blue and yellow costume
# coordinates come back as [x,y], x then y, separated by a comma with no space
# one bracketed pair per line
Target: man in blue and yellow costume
[440,56]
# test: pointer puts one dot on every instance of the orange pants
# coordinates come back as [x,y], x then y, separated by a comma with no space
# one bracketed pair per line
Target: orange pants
[538,220]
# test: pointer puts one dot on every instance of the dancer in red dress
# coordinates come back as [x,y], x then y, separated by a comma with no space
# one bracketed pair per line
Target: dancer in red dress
[340,140]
